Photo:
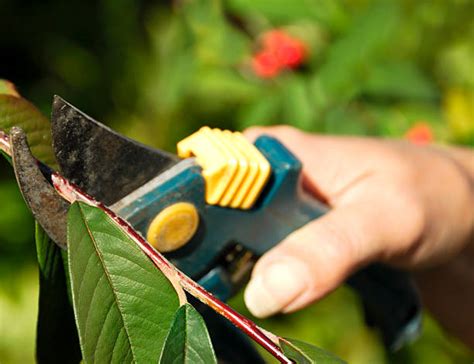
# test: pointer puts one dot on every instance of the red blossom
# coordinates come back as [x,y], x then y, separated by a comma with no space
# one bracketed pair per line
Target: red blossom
[265,65]
[289,51]
[279,51]
[420,133]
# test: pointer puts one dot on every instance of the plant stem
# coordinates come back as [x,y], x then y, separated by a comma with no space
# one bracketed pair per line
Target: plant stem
[243,323]
[72,193]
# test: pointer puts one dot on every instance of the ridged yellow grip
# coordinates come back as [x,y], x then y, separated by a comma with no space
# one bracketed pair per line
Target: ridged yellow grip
[234,170]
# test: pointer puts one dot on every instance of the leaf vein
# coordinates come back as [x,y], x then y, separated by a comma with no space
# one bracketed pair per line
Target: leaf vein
[101,258]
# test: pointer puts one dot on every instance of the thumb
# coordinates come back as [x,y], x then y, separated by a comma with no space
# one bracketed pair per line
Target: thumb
[312,261]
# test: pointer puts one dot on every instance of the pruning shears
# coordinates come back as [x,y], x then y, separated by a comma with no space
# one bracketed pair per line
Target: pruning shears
[212,210]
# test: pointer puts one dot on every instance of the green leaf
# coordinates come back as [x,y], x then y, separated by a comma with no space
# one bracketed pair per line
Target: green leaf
[329,12]
[263,111]
[215,42]
[188,341]
[6,156]
[124,305]
[399,80]
[349,59]
[304,353]
[14,242]
[297,107]
[8,88]
[56,340]
[16,111]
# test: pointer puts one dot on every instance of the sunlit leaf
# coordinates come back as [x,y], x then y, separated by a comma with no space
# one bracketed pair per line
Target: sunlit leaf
[214,41]
[17,111]
[188,341]
[459,112]
[304,353]
[8,88]
[56,340]
[124,305]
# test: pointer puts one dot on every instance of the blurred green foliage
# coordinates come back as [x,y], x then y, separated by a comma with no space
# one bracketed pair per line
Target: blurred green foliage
[157,72]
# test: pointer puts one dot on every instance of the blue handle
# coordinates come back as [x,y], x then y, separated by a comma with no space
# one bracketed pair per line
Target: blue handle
[389,298]
[281,209]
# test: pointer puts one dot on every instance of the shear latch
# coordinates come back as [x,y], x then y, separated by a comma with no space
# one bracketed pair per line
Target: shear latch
[234,170]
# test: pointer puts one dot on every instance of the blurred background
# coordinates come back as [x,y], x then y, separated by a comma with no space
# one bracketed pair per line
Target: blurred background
[157,71]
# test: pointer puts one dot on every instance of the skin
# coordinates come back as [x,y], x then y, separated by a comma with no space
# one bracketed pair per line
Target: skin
[394,202]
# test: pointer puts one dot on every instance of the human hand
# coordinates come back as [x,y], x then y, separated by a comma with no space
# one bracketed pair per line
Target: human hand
[393,202]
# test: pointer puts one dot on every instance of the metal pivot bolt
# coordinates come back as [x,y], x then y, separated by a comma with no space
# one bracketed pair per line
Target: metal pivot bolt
[173,227]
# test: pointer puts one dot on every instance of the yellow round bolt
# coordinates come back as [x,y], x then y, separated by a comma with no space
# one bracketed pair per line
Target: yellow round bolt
[173,227]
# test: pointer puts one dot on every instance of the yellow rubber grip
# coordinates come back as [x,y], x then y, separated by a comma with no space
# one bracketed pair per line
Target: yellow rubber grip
[234,170]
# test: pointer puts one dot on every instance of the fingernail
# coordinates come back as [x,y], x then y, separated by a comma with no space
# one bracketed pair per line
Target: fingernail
[278,285]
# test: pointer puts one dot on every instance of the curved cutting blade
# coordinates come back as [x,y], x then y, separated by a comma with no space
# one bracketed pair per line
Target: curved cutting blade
[103,163]
[48,208]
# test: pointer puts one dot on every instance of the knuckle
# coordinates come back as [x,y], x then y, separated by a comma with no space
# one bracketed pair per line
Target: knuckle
[283,128]
[285,133]
[254,129]
[277,130]
[337,238]
[416,215]
[339,248]
[412,216]
[288,132]
[253,132]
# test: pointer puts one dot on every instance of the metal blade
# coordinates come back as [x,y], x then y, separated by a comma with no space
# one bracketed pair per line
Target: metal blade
[48,208]
[102,162]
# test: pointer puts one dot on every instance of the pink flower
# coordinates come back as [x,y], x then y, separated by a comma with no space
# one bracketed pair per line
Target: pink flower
[420,133]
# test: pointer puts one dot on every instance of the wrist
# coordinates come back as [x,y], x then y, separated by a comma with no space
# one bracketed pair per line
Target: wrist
[463,158]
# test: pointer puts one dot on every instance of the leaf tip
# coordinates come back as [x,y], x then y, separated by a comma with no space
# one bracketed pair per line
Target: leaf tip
[8,88]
